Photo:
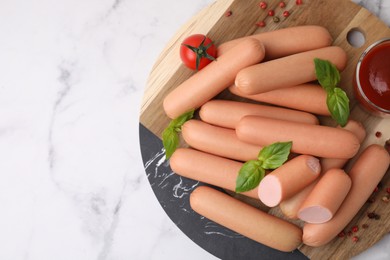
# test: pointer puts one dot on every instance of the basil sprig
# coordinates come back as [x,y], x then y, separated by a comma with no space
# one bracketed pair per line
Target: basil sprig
[170,135]
[249,176]
[337,100]
[269,158]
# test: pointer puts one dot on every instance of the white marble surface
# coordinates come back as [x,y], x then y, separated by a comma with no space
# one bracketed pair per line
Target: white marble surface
[72,183]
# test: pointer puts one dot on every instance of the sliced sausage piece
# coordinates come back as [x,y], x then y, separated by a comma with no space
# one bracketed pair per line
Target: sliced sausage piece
[288,179]
[245,219]
[365,174]
[228,113]
[306,97]
[218,141]
[316,140]
[211,80]
[290,206]
[208,168]
[287,71]
[326,197]
[287,41]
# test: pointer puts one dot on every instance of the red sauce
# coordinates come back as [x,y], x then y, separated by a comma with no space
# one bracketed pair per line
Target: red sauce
[374,76]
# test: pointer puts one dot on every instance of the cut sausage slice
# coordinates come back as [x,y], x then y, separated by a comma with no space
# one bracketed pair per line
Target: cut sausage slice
[218,141]
[228,113]
[287,71]
[290,206]
[316,140]
[365,174]
[288,179]
[245,220]
[306,97]
[287,41]
[326,197]
[208,168]
[211,80]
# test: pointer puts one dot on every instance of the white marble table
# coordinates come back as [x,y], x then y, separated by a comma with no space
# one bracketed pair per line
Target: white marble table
[72,182]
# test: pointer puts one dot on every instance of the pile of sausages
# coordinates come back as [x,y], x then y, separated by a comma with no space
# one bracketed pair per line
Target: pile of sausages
[275,68]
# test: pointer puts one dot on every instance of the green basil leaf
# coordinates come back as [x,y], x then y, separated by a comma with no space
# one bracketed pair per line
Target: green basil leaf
[274,155]
[170,136]
[327,74]
[337,100]
[180,120]
[338,105]
[170,140]
[249,176]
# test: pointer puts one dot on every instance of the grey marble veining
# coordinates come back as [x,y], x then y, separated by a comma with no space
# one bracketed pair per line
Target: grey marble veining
[381,8]
[72,182]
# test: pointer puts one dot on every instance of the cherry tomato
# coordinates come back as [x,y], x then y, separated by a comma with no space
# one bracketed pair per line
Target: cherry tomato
[197,51]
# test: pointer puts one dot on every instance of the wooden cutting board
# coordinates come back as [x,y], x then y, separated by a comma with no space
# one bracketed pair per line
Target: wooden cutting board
[339,17]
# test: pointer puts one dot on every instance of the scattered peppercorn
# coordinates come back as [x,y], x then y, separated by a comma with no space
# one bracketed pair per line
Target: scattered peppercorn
[365,226]
[228,13]
[341,234]
[286,13]
[263,5]
[282,4]
[373,215]
[378,134]
[349,233]
[355,229]
[299,2]
[276,19]
[271,12]
[355,239]
[261,24]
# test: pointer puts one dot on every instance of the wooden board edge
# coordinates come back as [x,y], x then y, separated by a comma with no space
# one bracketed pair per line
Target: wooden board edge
[169,58]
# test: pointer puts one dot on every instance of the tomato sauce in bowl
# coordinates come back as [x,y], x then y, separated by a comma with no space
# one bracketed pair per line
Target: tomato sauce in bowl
[372,78]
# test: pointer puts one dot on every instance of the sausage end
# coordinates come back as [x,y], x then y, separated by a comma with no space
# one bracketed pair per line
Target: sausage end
[270,191]
[244,82]
[314,164]
[315,214]
[175,162]
[311,237]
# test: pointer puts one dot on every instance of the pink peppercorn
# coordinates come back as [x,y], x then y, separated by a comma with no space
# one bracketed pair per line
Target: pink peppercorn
[263,5]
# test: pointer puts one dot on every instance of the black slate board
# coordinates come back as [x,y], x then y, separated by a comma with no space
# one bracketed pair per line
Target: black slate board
[172,192]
